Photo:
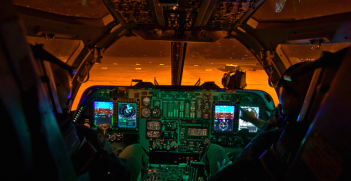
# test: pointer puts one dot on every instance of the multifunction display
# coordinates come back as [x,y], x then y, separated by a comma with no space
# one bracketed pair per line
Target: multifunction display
[127,115]
[224,117]
[247,125]
[103,112]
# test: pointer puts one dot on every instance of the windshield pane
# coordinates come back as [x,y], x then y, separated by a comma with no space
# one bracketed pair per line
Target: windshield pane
[300,9]
[131,58]
[77,8]
[134,58]
[209,61]
[300,53]
[60,48]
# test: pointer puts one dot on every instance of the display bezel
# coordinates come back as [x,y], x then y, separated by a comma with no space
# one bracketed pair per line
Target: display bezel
[95,124]
[91,111]
[234,128]
[258,116]
[118,127]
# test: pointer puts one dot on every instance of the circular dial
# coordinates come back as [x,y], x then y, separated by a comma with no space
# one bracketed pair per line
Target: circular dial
[156,112]
[127,111]
[223,125]
[146,112]
[112,137]
[146,101]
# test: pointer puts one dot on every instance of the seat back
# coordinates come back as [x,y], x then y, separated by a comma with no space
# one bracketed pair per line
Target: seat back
[32,146]
[325,151]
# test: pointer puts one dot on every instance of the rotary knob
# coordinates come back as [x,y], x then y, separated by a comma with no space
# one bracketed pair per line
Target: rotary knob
[112,137]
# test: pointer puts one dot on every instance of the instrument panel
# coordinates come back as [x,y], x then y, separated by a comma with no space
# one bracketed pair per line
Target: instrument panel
[174,121]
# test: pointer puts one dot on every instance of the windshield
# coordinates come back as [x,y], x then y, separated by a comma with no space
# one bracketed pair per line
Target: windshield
[134,58]
[62,49]
[301,53]
[300,9]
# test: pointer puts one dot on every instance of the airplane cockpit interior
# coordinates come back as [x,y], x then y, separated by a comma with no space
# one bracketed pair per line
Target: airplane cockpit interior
[189,90]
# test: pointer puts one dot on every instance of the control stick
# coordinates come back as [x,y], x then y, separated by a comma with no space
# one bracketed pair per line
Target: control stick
[103,128]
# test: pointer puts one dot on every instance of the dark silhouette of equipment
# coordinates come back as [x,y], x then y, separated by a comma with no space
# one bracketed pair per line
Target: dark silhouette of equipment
[235,81]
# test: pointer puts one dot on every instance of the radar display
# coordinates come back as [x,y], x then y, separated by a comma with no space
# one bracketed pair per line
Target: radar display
[127,114]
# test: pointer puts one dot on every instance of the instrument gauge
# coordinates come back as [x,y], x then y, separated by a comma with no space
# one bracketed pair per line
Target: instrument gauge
[146,101]
[146,112]
[112,137]
[156,113]
[223,125]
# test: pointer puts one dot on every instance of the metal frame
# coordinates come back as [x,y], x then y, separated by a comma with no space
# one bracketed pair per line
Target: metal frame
[178,51]
[309,95]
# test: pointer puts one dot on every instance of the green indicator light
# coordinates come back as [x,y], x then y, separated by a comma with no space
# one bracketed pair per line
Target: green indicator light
[287,79]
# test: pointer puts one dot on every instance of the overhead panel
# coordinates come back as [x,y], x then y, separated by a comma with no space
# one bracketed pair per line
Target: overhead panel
[182,16]
[227,12]
[134,11]
[202,12]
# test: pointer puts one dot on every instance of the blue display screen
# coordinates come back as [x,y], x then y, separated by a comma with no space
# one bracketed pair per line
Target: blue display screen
[224,117]
[103,112]
[127,115]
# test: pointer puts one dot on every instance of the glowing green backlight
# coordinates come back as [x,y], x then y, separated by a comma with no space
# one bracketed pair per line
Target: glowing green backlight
[287,79]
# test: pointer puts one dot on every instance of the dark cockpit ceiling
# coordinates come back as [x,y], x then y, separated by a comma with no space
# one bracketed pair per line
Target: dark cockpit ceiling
[75,8]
